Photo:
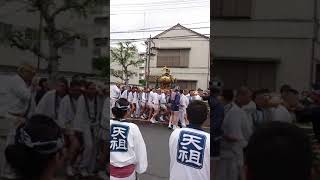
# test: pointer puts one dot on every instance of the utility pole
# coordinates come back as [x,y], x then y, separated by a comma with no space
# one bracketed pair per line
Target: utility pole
[148,61]
[39,41]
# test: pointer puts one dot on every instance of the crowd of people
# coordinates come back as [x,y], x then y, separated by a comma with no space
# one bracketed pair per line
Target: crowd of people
[68,124]
[157,105]
[76,106]
[237,117]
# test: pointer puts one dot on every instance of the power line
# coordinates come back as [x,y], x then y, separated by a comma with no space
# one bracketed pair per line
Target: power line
[160,5]
[150,28]
[154,10]
[155,30]
[172,25]
[159,2]
[169,37]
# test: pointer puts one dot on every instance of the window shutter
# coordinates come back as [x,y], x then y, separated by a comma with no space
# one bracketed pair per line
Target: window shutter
[229,8]
[217,8]
[244,8]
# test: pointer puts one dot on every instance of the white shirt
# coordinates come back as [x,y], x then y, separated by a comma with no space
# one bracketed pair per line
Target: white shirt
[163,98]
[114,92]
[144,97]
[130,97]
[232,126]
[184,102]
[15,96]
[87,117]
[281,114]
[135,97]
[48,105]
[189,154]
[156,98]
[106,109]
[67,112]
[127,146]
[197,97]
[150,97]
[250,110]
[124,94]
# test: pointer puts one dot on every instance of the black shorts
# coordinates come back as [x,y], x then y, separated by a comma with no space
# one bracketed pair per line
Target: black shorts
[174,107]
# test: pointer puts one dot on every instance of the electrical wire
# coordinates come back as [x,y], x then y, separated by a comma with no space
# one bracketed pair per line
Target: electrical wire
[176,5]
[158,9]
[171,25]
[167,38]
[155,30]
[154,3]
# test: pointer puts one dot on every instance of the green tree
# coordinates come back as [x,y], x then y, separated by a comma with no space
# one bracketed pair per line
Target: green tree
[57,37]
[102,64]
[126,56]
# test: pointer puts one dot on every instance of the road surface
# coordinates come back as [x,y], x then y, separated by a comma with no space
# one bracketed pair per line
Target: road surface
[157,141]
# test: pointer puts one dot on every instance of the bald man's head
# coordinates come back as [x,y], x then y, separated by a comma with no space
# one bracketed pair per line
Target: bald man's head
[243,96]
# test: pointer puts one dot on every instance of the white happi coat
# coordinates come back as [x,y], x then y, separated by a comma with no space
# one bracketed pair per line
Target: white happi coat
[281,114]
[189,154]
[124,94]
[184,102]
[48,105]
[105,120]
[88,128]
[231,157]
[250,110]
[127,147]
[16,99]
[144,98]
[130,97]
[114,94]
[150,99]
[134,97]
[67,112]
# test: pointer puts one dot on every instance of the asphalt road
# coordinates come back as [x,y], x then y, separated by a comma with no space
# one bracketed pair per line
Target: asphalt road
[156,138]
[157,142]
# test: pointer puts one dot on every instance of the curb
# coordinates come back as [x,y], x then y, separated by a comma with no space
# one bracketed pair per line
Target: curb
[146,122]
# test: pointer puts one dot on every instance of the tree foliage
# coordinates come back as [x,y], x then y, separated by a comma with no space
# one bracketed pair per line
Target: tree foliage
[102,64]
[57,37]
[126,56]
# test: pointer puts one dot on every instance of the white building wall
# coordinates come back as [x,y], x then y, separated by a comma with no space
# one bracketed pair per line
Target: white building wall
[198,69]
[280,30]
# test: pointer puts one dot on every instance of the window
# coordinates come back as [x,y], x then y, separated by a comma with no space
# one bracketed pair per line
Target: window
[187,84]
[31,34]
[173,58]
[4,30]
[232,8]
[84,42]
[97,51]
[101,42]
[68,48]
[101,20]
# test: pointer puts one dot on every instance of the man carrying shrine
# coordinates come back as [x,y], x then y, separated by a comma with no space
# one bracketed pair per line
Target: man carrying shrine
[190,147]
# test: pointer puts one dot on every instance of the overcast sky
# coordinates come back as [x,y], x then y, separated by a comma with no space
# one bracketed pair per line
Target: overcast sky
[152,15]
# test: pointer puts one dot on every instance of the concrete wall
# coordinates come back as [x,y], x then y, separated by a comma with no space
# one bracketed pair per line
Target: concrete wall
[281,30]
[198,69]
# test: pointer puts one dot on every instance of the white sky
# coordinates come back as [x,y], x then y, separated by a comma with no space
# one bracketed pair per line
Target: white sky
[133,15]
